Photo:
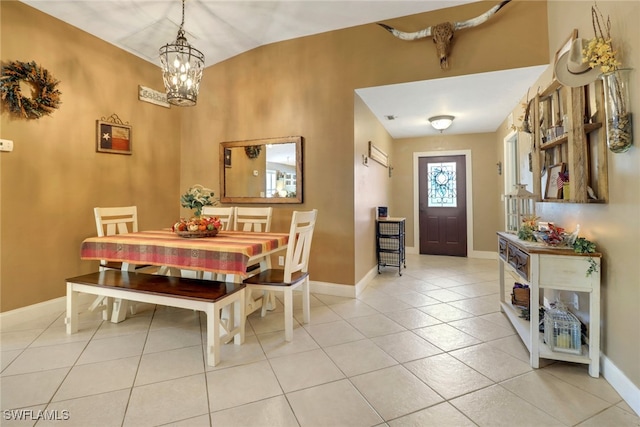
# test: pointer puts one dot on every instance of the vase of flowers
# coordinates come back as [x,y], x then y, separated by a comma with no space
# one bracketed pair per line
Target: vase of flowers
[600,53]
[196,198]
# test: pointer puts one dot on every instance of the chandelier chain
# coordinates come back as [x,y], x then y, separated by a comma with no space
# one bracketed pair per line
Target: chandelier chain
[182,23]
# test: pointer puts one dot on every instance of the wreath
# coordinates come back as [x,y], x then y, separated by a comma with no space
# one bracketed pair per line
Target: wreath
[44,97]
[252,151]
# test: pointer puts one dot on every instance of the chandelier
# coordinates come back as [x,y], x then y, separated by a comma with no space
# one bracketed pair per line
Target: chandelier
[182,66]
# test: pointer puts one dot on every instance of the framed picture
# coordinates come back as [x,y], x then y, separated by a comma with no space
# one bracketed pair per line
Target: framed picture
[113,136]
[565,48]
[555,181]
[227,157]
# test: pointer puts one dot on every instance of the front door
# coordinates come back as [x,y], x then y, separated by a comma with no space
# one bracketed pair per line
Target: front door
[443,208]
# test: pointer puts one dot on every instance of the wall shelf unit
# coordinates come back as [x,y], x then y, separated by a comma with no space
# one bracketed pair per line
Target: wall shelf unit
[568,131]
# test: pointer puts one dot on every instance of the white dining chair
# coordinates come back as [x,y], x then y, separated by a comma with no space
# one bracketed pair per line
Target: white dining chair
[252,219]
[295,273]
[224,214]
[110,221]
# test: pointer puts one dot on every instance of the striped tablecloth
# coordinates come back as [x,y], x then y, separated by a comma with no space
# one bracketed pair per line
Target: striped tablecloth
[228,252]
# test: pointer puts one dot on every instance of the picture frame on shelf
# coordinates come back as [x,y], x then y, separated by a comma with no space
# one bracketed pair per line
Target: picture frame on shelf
[554,184]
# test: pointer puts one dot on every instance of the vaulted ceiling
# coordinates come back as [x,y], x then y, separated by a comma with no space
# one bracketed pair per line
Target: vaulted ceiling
[224,28]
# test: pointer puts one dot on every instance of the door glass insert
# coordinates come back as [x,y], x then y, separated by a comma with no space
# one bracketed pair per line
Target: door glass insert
[442,184]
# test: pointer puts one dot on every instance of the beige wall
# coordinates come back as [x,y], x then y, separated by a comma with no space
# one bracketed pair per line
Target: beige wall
[372,183]
[54,176]
[298,87]
[306,87]
[486,204]
[614,227]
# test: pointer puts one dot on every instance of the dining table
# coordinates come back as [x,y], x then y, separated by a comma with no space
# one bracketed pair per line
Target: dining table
[228,252]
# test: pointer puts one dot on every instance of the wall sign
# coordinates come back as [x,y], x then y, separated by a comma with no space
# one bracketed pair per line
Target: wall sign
[153,96]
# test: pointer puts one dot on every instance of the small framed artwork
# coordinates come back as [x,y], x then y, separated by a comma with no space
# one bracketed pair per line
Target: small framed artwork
[227,157]
[113,136]
[555,181]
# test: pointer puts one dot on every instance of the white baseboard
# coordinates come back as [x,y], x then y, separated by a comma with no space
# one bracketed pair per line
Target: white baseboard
[334,289]
[473,254]
[9,319]
[619,381]
[483,255]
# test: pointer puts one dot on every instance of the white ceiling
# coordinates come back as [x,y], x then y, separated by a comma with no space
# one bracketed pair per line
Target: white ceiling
[479,102]
[222,29]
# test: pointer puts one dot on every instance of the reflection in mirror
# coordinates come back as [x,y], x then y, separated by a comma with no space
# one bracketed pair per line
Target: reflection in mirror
[261,171]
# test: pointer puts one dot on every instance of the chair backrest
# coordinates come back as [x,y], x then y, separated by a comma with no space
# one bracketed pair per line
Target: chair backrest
[252,219]
[299,247]
[120,220]
[225,215]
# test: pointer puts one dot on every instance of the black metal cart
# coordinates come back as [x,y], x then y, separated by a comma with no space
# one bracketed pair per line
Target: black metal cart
[390,245]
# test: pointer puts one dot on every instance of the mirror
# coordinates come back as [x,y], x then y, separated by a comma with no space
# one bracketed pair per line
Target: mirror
[261,170]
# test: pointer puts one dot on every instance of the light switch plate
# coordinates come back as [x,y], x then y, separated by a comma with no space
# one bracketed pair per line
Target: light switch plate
[6,145]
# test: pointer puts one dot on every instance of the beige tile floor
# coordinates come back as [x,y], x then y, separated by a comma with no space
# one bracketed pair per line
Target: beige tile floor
[427,348]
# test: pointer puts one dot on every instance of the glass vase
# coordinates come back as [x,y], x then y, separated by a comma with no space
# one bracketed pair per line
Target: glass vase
[618,110]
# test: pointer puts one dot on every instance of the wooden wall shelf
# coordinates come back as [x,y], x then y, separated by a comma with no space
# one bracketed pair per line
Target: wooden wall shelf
[582,149]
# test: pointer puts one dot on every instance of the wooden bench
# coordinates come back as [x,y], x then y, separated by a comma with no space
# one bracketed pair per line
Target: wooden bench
[202,295]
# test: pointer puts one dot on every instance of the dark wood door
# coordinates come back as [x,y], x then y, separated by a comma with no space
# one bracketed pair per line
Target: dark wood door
[443,208]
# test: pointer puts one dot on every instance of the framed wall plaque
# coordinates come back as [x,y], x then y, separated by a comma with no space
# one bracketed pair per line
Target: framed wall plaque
[113,136]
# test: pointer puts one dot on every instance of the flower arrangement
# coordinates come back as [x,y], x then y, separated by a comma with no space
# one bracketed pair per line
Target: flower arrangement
[529,225]
[196,198]
[599,52]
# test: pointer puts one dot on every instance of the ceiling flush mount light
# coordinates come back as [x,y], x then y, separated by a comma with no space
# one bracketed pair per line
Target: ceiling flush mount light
[182,66]
[441,122]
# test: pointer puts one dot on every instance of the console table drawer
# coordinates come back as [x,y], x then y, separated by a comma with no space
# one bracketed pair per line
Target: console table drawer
[519,260]
[502,248]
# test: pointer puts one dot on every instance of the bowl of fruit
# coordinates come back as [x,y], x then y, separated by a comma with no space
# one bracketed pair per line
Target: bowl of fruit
[203,226]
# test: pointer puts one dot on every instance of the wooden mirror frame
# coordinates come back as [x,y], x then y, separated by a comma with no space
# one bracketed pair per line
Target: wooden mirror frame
[226,162]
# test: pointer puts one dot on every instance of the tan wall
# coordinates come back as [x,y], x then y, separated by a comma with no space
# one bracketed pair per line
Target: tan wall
[54,176]
[306,87]
[298,87]
[615,226]
[372,183]
[486,203]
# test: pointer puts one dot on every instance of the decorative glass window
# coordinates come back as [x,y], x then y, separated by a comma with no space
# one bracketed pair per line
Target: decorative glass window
[442,185]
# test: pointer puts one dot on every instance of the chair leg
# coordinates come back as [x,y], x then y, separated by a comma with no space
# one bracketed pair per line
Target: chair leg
[119,310]
[288,314]
[306,308]
[104,303]
[240,318]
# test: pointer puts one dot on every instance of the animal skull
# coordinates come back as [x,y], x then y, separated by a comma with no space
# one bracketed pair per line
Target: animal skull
[443,33]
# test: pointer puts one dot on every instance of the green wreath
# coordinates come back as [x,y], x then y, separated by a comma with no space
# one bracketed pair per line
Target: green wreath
[45,97]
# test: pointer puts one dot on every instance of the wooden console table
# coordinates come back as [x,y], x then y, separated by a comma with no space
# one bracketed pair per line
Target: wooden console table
[552,269]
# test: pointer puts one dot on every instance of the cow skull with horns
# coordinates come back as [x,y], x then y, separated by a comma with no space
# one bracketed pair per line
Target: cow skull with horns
[443,33]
